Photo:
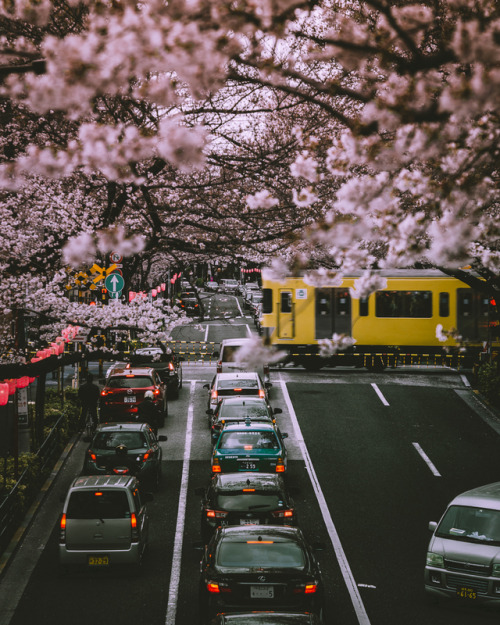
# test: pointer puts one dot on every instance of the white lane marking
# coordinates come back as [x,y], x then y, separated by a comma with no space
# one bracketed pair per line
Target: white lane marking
[465,380]
[175,572]
[249,331]
[366,586]
[206,332]
[239,307]
[345,569]
[379,393]
[426,459]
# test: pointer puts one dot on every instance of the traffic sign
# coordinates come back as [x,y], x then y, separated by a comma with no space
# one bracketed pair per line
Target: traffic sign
[114,283]
[115,257]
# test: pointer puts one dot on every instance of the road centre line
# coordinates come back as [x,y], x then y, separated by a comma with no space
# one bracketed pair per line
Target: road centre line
[379,393]
[345,569]
[175,572]
[427,460]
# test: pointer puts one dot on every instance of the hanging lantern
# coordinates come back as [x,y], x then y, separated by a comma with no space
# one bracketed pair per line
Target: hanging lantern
[4,394]
[163,286]
[153,293]
[31,380]
[22,382]
[12,386]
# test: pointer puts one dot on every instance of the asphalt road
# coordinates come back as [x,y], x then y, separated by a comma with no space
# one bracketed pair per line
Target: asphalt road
[373,459]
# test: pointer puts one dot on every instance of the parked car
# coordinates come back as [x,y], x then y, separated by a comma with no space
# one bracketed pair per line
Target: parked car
[248,446]
[237,383]
[104,523]
[166,363]
[124,390]
[235,409]
[142,456]
[245,499]
[463,558]
[261,567]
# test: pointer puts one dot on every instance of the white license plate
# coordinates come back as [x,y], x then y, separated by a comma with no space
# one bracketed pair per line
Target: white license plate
[262,592]
[245,465]
[249,522]
[129,400]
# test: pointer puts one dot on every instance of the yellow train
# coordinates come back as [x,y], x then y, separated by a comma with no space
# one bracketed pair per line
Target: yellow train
[394,325]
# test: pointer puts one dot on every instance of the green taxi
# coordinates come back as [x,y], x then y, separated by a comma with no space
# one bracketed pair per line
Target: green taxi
[250,446]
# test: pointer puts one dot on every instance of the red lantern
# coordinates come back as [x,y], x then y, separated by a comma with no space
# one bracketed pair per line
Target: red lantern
[12,386]
[153,293]
[163,286]
[22,382]
[4,394]
[31,380]
[36,358]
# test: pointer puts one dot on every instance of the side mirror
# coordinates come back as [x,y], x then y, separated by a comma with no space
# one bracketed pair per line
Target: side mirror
[432,525]
[268,384]
[284,435]
[215,354]
[162,438]
[209,411]
[277,411]
[206,386]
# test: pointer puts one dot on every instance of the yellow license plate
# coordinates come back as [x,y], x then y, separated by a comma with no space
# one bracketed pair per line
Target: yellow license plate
[98,560]
[466,593]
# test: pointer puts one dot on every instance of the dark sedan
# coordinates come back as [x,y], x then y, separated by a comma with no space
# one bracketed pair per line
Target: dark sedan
[261,567]
[245,499]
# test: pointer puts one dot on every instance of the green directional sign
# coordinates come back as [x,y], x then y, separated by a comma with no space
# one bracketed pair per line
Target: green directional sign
[114,283]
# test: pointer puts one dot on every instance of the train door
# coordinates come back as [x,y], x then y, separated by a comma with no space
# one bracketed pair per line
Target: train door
[286,315]
[473,315]
[333,313]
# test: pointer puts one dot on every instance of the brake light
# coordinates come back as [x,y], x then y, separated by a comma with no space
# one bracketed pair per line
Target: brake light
[216,514]
[130,375]
[156,392]
[214,587]
[262,393]
[260,542]
[92,456]
[146,455]
[62,535]
[104,393]
[280,466]
[63,522]
[237,390]
[215,466]
[307,589]
[171,366]
[283,514]
[248,490]
[214,394]
[134,528]
[120,470]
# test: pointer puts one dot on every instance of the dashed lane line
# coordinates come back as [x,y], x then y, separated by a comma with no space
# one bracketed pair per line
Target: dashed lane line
[427,460]
[380,394]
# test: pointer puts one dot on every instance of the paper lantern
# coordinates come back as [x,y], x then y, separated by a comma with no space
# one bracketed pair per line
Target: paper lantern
[22,382]
[153,293]
[12,386]
[4,394]
[36,358]
[163,286]
[31,380]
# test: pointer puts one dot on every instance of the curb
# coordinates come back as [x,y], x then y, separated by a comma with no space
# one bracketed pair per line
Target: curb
[18,536]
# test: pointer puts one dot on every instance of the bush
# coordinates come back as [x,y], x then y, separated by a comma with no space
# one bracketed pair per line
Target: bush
[489,382]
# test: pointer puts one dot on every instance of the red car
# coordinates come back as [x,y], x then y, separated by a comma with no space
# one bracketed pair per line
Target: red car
[124,391]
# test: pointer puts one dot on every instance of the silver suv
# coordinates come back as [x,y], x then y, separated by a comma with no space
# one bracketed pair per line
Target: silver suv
[104,523]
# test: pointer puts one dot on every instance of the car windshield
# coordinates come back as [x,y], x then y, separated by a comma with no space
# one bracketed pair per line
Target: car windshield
[96,504]
[247,409]
[470,524]
[237,383]
[110,440]
[258,500]
[135,381]
[260,554]
[248,439]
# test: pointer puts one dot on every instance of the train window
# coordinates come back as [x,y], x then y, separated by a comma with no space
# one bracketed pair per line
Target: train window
[342,302]
[267,301]
[412,304]
[286,301]
[444,304]
[465,303]
[363,307]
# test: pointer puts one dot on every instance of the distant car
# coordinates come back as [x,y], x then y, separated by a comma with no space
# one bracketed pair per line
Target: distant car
[234,409]
[211,285]
[249,446]
[188,302]
[227,358]
[124,390]
[229,286]
[233,384]
[257,318]
[268,617]
[261,567]
[251,298]
[165,362]
[245,499]
[144,454]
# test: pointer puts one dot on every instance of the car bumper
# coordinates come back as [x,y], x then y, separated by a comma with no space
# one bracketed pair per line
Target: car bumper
[143,471]
[216,605]
[117,557]
[470,589]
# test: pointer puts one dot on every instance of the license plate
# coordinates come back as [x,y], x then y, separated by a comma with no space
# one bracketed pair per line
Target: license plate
[248,466]
[129,400]
[262,592]
[98,560]
[466,593]
[249,522]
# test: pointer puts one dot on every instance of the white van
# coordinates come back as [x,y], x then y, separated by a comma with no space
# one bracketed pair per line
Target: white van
[463,559]
[226,359]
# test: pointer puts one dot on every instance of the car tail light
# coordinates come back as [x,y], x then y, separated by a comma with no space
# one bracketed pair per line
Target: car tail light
[215,466]
[214,394]
[171,366]
[214,587]
[92,455]
[307,589]
[237,390]
[219,366]
[280,466]
[133,527]
[62,535]
[283,514]
[147,455]
[216,514]
[104,393]
[120,470]
[156,392]
[262,393]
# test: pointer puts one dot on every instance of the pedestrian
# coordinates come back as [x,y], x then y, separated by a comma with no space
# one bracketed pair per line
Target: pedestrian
[88,396]
[148,412]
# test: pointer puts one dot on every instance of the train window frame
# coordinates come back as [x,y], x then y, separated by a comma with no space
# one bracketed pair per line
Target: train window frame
[444,304]
[364,308]
[267,301]
[286,302]
[401,303]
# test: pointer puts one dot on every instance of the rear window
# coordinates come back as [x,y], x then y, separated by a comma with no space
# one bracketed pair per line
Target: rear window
[263,554]
[248,501]
[110,440]
[243,411]
[240,383]
[105,504]
[228,353]
[137,381]
[247,440]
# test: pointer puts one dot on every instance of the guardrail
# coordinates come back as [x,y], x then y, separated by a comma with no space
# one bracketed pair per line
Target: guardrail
[22,494]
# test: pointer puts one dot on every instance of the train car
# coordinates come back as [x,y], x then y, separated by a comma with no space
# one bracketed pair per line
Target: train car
[394,325]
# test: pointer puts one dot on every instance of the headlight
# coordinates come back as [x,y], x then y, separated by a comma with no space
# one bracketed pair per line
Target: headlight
[435,560]
[496,570]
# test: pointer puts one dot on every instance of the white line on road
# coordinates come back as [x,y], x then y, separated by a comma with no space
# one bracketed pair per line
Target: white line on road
[379,393]
[345,569]
[426,459]
[206,333]
[465,380]
[175,572]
